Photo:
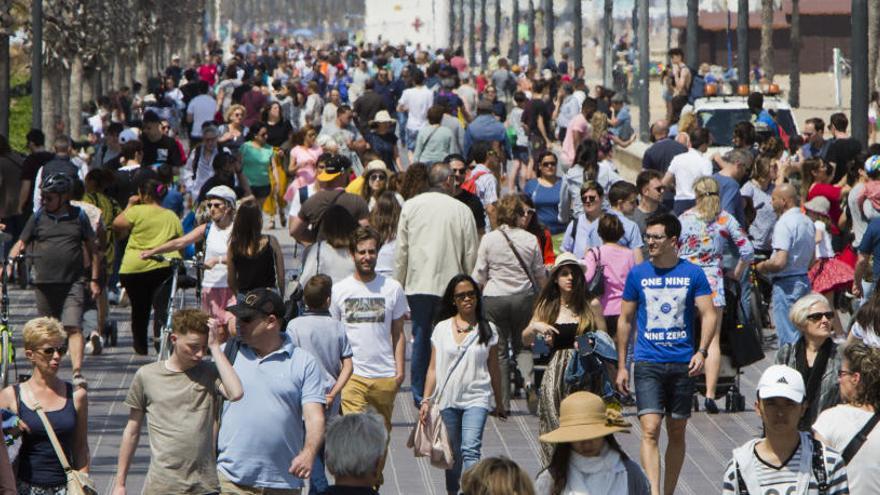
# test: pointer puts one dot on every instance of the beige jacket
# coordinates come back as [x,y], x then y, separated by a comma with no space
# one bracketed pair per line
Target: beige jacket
[436,240]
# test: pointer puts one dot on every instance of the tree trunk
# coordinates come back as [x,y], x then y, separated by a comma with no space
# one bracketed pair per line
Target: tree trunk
[451,23]
[48,117]
[578,15]
[62,108]
[484,28]
[88,86]
[668,29]
[75,83]
[4,84]
[873,33]
[794,92]
[461,25]
[742,41]
[531,43]
[693,30]
[119,77]
[140,69]
[608,44]
[472,32]
[497,33]
[767,39]
[548,27]
[514,39]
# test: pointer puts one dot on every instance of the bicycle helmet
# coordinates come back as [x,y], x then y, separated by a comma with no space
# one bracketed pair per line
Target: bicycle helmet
[57,183]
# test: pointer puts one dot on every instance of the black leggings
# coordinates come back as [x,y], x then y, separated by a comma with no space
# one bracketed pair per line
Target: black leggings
[142,288]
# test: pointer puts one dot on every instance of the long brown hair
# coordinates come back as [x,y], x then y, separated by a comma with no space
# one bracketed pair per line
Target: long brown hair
[244,240]
[550,299]
[385,215]
[558,467]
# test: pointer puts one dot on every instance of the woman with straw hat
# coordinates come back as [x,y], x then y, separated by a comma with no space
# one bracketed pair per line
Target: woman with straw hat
[587,459]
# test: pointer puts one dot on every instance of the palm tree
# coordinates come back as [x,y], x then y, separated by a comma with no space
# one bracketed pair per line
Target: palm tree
[6,27]
[693,28]
[451,24]
[578,15]
[608,43]
[531,41]
[461,25]
[514,39]
[472,54]
[873,32]
[794,92]
[548,26]
[742,40]
[484,28]
[669,27]
[767,39]
[497,34]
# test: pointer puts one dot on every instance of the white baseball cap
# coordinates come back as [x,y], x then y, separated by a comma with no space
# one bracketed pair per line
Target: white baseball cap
[222,192]
[781,381]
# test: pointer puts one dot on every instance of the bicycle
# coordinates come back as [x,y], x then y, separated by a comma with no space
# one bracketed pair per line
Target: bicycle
[7,350]
[175,300]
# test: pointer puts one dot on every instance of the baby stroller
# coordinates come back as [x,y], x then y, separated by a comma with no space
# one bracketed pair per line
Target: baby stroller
[740,346]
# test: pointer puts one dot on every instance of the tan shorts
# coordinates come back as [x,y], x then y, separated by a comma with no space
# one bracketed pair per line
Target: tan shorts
[227,487]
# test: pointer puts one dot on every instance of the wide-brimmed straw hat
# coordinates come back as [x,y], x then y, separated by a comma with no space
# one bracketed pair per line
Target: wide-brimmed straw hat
[382,117]
[583,416]
[565,259]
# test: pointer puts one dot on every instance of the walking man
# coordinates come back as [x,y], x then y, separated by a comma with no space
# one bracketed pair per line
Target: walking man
[794,244]
[665,295]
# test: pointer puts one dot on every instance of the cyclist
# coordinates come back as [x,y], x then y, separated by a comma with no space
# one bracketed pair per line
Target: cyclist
[60,237]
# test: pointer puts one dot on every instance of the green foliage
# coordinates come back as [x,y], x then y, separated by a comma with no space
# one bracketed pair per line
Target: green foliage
[19,122]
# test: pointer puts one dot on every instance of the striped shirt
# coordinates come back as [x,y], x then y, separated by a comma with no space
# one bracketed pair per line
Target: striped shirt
[783,480]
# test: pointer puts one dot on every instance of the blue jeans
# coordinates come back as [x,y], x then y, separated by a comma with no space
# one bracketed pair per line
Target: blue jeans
[422,308]
[318,481]
[465,429]
[786,291]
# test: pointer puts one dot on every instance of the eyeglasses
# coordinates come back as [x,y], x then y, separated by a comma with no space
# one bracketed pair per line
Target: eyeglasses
[216,205]
[377,178]
[818,316]
[461,296]
[548,164]
[50,351]
[841,373]
[654,237]
[660,189]
[589,198]
[459,171]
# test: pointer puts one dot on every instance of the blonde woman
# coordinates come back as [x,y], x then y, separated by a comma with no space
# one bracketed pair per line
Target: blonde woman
[705,231]
[562,313]
[39,470]
[233,132]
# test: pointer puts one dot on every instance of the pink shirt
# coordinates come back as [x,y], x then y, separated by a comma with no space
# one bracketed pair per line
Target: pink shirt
[578,123]
[305,159]
[616,262]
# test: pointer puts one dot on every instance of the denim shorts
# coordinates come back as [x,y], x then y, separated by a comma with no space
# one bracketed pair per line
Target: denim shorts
[663,388]
[411,137]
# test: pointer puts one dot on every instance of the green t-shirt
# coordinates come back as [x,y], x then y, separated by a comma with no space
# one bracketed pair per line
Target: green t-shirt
[151,226]
[255,163]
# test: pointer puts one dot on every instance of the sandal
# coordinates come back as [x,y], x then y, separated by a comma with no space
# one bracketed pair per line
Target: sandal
[80,381]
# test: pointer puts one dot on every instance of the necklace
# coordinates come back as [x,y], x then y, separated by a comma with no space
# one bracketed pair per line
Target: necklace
[458,328]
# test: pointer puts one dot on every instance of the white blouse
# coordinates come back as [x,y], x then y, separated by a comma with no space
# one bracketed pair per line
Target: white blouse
[470,384]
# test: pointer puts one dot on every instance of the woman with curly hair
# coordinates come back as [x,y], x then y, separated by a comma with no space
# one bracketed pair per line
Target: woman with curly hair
[415,180]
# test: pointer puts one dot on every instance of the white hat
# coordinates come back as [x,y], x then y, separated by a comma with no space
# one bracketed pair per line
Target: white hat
[222,192]
[382,116]
[781,381]
[128,135]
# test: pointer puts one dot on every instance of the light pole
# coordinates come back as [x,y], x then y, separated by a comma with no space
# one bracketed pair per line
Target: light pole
[37,65]
[644,76]
[859,52]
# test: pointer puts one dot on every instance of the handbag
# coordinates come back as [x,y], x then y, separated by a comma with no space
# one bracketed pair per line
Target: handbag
[78,483]
[431,438]
[522,264]
[596,285]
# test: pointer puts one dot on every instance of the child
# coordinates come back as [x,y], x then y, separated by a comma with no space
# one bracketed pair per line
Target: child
[317,332]
[871,191]
[181,399]
[827,274]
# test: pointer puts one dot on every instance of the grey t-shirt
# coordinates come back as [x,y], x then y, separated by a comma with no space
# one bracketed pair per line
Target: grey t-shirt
[58,245]
[180,409]
[322,336]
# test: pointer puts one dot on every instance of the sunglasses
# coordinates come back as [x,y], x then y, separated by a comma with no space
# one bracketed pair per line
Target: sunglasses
[377,178]
[829,315]
[50,351]
[548,164]
[654,237]
[589,198]
[461,296]
[216,205]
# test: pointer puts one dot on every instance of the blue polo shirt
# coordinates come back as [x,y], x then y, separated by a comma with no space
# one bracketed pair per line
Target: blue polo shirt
[261,433]
[794,233]
[587,235]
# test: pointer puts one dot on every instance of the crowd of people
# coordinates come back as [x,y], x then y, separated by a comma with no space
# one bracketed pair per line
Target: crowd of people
[483,206]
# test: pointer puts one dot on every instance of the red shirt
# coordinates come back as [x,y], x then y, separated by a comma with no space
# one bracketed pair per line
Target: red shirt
[832,194]
[208,73]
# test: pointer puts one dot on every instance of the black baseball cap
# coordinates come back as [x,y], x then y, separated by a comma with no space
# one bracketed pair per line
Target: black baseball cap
[258,302]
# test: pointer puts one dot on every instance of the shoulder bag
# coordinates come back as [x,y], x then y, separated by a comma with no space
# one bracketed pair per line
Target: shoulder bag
[78,483]
[861,437]
[522,264]
[431,439]
[596,285]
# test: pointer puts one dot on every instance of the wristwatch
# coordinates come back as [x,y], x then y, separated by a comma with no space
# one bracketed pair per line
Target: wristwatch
[704,352]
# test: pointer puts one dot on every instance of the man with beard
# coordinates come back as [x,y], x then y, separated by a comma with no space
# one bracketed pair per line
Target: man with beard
[458,164]
[372,308]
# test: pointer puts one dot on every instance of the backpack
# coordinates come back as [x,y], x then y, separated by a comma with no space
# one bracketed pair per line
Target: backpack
[470,185]
[698,87]
[83,219]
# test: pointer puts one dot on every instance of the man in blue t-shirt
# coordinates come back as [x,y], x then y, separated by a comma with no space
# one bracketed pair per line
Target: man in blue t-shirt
[665,295]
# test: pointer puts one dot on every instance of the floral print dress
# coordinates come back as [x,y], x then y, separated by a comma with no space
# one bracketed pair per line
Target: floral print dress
[703,243]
